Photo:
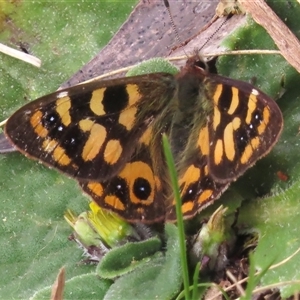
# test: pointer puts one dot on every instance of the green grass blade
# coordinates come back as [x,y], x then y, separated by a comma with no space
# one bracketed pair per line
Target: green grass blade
[180,225]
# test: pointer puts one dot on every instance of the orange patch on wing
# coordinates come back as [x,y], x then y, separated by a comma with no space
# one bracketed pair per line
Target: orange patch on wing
[35,122]
[114,202]
[229,145]
[86,124]
[94,142]
[251,107]
[127,117]
[135,170]
[205,195]
[96,105]
[113,151]
[133,93]
[60,157]
[187,207]
[192,174]
[255,142]
[63,106]
[234,101]
[249,149]
[203,141]
[216,98]
[217,118]
[146,137]
[219,152]
[266,119]
[96,188]
[49,145]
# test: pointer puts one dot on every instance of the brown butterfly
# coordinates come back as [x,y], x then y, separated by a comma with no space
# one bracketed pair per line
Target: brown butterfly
[107,134]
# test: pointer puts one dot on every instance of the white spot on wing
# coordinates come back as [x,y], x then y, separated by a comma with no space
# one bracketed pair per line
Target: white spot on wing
[255,92]
[62,94]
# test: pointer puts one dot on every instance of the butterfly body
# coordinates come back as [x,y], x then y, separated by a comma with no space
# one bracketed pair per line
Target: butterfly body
[108,136]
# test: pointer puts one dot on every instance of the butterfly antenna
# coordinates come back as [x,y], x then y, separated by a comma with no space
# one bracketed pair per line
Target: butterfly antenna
[220,26]
[167,5]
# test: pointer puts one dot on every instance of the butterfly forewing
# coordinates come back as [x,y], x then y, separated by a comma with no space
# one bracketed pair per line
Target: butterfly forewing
[90,131]
[245,125]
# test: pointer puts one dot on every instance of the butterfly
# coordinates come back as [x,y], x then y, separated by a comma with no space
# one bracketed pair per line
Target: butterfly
[107,134]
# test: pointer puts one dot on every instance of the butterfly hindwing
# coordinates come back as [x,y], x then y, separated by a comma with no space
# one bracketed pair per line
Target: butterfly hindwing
[136,192]
[198,189]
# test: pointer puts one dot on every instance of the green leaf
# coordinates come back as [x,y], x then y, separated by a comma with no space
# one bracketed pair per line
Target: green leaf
[153,65]
[160,278]
[126,258]
[79,288]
